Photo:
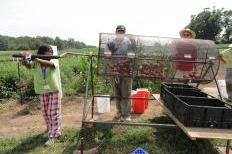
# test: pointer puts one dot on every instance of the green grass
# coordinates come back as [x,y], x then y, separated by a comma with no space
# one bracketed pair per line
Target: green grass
[35,144]
[113,140]
[222,46]
[73,73]
[228,57]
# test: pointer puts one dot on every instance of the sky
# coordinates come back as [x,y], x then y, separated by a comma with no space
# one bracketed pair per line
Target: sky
[83,20]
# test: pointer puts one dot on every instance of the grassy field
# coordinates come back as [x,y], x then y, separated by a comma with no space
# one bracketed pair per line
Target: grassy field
[112,140]
[222,46]
[73,73]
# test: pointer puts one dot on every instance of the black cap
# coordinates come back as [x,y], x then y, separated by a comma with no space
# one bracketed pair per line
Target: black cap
[120,28]
[44,48]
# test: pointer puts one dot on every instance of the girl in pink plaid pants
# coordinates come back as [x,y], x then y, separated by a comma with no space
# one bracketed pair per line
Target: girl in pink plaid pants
[51,109]
[46,84]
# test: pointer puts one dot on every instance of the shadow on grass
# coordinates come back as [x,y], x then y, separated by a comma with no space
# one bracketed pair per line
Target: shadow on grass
[123,139]
[92,137]
[175,141]
[28,144]
[162,120]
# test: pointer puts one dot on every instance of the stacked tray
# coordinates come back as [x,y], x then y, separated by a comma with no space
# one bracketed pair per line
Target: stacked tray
[194,108]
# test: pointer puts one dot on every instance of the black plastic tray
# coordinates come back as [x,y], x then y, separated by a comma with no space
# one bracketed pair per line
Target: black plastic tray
[195,108]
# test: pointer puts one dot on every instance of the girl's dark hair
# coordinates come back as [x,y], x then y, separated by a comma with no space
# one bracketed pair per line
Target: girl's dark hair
[44,48]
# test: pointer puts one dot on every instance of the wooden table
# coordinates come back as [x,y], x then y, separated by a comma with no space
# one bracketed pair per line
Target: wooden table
[194,132]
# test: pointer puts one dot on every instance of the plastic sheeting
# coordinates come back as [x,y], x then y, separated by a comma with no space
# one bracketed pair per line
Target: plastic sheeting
[153,57]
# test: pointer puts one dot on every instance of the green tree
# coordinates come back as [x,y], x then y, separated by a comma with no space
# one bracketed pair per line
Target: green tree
[80,45]
[12,43]
[23,43]
[32,43]
[207,24]
[59,43]
[227,23]
[71,43]
[3,43]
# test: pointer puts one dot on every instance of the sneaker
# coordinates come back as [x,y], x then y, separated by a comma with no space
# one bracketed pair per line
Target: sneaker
[127,118]
[117,116]
[51,141]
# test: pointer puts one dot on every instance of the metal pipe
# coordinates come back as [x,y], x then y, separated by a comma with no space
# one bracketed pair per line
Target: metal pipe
[36,56]
[92,84]
[227,146]
[131,124]
[19,79]
[78,54]
[203,66]
[169,59]
[206,71]
[85,112]
[219,92]
[82,145]
[123,97]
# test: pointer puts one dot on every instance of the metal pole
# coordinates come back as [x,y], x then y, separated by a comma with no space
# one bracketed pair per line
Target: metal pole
[19,79]
[131,124]
[206,71]
[85,108]
[219,92]
[85,112]
[205,62]
[227,146]
[92,84]
[82,145]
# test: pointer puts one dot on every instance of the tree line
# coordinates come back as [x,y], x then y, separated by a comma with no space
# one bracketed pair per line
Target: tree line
[32,43]
[213,24]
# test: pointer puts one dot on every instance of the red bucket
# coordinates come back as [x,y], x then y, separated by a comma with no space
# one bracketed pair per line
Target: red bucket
[145,92]
[138,104]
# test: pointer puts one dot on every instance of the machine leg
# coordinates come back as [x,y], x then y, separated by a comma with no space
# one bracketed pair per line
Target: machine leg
[82,145]
[227,146]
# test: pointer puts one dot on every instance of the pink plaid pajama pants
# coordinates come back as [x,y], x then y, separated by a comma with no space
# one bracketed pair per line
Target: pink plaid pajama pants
[51,110]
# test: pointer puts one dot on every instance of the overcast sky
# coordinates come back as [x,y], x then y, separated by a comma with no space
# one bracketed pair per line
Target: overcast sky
[84,19]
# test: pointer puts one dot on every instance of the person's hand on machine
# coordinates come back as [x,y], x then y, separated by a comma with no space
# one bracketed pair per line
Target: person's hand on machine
[26,59]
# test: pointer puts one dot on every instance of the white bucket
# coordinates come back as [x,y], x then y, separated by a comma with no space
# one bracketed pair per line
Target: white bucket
[133,92]
[222,87]
[142,89]
[103,104]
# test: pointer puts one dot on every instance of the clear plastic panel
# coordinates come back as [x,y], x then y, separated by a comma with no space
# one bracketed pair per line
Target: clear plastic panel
[153,57]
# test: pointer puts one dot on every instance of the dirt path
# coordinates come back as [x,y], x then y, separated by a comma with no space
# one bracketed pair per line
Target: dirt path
[17,120]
